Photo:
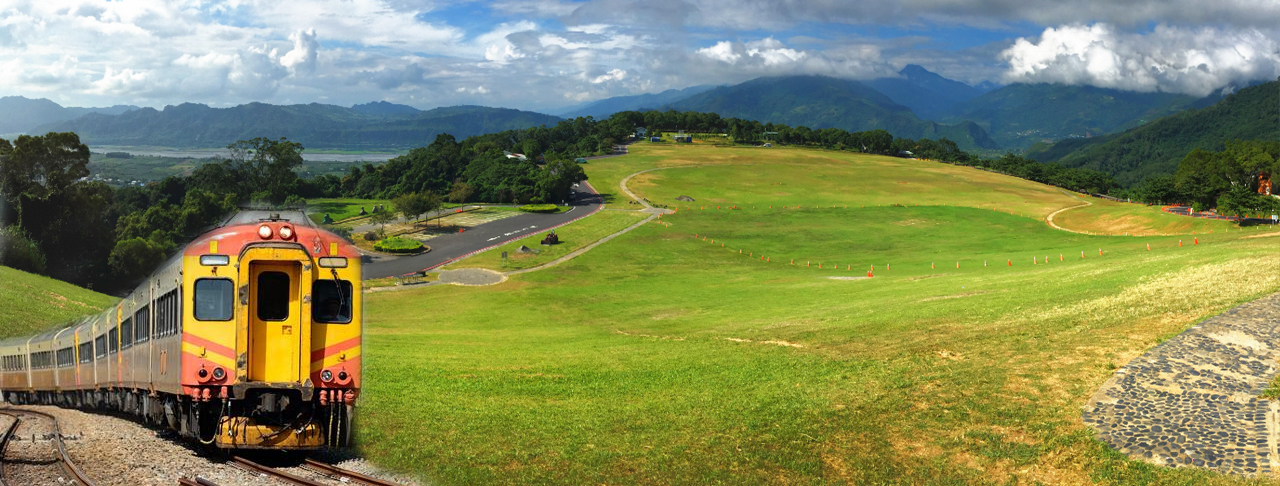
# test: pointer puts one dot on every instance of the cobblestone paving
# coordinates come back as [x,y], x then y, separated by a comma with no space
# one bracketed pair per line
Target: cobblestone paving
[1192,401]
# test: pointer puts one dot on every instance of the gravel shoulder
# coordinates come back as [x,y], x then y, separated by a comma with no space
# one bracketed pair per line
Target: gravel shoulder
[115,451]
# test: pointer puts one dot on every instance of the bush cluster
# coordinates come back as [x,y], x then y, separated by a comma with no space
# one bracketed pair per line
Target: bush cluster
[539,208]
[397,244]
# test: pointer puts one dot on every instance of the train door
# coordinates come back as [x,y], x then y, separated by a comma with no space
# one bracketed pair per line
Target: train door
[275,321]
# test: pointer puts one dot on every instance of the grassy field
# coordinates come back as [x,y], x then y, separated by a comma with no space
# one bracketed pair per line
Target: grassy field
[341,208]
[1107,217]
[33,303]
[661,357]
[572,237]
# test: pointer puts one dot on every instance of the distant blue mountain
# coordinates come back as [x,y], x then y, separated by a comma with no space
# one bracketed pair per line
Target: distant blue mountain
[927,94]
[608,106]
[383,108]
[22,115]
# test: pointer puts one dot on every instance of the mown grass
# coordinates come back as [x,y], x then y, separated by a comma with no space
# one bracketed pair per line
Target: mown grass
[341,208]
[576,235]
[33,303]
[664,358]
[1108,217]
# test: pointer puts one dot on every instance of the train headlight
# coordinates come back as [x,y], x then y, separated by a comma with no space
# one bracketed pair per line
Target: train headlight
[342,376]
[326,376]
[203,374]
[286,233]
[219,373]
[264,232]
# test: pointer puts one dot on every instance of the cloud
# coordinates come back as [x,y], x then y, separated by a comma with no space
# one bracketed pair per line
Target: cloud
[302,59]
[1196,61]
[612,75]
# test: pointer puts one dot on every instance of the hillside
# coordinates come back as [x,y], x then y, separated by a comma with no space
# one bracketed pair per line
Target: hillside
[23,115]
[372,126]
[649,101]
[1019,115]
[1157,147]
[823,102]
[927,94]
[34,303]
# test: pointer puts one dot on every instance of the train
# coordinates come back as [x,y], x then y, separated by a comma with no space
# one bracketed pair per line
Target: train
[247,338]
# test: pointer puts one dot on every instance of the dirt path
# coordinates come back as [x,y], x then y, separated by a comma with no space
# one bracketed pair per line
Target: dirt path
[1053,225]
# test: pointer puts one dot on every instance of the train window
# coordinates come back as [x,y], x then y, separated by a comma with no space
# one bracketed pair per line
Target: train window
[100,346]
[66,357]
[214,299]
[142,325]
[126,333]
[167,314]
[331,301]
[113,340]
[273,296]
[86,352]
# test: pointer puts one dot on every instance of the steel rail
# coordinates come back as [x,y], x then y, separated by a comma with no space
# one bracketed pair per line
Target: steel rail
[67,464]
[273,472]
[4,445]
[344,474]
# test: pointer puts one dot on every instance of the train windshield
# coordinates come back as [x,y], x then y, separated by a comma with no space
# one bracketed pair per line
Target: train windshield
[332,302]
[214,299]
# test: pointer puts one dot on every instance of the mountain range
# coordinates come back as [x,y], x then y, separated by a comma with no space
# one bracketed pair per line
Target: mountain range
[1157,147]
[823,102]
[24,114]
[1128,134]
[378,125]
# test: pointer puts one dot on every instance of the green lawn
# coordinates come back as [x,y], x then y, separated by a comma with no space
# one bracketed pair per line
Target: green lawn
[341,208]
[576,235]
[33,303]
[1107,217]
[664,358]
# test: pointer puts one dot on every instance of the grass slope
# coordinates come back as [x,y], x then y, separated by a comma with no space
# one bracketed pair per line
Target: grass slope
[572,237]
[664,358]
[33,303]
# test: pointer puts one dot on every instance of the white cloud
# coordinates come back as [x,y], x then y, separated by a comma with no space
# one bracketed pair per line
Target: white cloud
[613,75]
[302,59]
[1173,59]
[722,51]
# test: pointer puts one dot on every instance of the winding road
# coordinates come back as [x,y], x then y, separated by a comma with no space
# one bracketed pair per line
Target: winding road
[449,248]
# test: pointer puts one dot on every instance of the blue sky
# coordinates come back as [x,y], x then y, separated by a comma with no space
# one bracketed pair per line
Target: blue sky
[547,55]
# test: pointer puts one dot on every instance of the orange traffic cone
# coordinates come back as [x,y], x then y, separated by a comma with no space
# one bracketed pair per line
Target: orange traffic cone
[869,275]
[1179,243]
[931,265]
[1011,262]
[1148,246]
[1196,241]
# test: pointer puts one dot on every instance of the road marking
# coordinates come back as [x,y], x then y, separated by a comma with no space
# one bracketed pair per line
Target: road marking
[512,233]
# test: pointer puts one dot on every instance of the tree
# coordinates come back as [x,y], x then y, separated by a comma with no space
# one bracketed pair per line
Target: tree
[460,192]
[36,168]
[1240,202]
[134,258]
[381,218]
[413,206]
[266,166]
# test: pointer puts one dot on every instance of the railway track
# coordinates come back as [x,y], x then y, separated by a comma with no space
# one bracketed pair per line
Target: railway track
[314,467]
[30,464]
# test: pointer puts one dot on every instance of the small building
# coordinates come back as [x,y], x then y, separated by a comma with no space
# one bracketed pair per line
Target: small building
[655,139]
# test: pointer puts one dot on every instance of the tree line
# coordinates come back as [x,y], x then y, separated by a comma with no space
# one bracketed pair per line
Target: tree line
[1225,181]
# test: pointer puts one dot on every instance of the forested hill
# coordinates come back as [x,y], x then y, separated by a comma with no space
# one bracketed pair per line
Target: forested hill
[23,114]
[822,102]
[316,126]
[1157,147]
[1019,115]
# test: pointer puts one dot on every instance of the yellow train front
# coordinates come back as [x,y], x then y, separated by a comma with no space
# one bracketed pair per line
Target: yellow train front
[248,339]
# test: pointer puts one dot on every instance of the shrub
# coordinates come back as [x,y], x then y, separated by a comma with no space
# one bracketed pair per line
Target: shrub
[19,251]
[371,236]
[397,244]
[539,208]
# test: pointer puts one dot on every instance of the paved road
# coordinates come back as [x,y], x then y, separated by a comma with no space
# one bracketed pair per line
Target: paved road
[447,248]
